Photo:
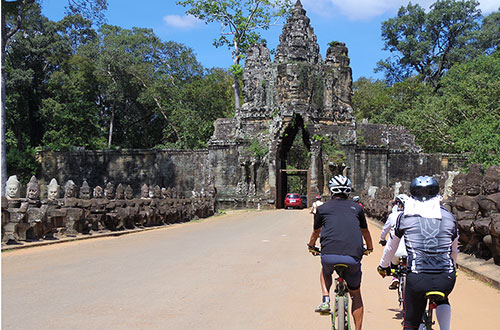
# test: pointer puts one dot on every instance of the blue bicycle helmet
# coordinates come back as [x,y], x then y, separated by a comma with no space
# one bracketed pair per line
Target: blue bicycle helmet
[423,188]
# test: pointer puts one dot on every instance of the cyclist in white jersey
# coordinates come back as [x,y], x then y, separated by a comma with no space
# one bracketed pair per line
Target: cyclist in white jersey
[431,237]
[388,228]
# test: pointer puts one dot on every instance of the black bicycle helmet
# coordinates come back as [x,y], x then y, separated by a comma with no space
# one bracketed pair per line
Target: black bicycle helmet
[424,187]
[340,185]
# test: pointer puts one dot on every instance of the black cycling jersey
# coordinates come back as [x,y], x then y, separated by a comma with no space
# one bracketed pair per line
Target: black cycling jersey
[341,221]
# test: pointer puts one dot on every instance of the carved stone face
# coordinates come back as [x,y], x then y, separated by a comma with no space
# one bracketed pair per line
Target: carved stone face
[109,192]
[85,193]
[52,192]
[120,192]
[33,191]
[145,191]
[129,193]
[70,189]
[12,189]
[157,192]
[164,193]
[98,192]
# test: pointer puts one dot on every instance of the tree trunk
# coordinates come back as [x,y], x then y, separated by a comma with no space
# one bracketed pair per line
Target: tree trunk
[236,87]
[111,122]
[3,155]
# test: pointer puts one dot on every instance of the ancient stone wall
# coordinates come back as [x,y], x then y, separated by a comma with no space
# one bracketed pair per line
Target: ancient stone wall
[474,200]
[186,170]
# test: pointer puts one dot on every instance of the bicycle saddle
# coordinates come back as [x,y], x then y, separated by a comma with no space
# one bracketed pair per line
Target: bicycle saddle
[340,268]
[435,295]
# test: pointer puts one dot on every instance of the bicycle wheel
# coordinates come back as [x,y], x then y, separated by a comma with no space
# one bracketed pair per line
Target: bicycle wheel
[402,289]
[341,313]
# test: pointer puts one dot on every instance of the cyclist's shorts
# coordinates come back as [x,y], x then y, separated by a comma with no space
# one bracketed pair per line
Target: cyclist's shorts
[353,273]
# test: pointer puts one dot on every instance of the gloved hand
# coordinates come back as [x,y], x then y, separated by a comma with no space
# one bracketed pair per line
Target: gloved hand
[367,251]
[314,250]
[384,271]
[382,242]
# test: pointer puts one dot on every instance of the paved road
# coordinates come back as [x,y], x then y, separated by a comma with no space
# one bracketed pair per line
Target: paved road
[245,270]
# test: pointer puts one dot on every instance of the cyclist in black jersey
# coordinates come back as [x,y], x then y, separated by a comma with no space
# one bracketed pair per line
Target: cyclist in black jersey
[431,239]
[342,226]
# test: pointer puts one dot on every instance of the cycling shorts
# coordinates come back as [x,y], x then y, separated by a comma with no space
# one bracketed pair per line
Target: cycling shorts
[353,274]
[416,287]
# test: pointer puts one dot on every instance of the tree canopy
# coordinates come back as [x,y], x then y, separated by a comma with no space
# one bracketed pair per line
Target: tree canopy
[240,22]
[430,43]
[69,85]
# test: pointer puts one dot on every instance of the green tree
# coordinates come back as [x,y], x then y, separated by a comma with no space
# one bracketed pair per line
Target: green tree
[199,104]
[429,43]
[370,97]
[469,108]
[15,17]
[240,21]
[12,15]
[92,10]
[489,36]
[32,57]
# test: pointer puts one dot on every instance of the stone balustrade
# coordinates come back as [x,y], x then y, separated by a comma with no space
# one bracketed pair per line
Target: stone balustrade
[33,219]
[475,202]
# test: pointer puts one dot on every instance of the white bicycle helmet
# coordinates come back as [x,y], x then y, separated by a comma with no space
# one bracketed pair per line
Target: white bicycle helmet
[340,185]
[401,198]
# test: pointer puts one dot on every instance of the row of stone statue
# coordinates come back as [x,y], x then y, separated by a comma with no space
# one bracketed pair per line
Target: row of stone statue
[475,202]
[109,209]
[33,190]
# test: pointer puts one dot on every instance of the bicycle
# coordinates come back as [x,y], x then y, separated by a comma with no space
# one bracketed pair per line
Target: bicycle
[432,298]
[400,274]
[339,312]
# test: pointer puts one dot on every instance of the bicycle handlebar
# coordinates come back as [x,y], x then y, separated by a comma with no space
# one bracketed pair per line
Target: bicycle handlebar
[316,251]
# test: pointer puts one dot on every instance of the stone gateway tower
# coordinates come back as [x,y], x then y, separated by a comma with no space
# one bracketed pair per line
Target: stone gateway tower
[298,91]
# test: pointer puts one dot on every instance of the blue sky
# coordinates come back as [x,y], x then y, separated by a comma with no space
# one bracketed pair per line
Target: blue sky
[355,22]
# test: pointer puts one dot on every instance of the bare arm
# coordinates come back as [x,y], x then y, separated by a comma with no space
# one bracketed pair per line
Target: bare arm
[368,238]
[314,237]
[454,251]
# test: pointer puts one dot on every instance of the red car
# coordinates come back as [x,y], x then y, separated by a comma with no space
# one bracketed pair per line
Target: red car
[293,200]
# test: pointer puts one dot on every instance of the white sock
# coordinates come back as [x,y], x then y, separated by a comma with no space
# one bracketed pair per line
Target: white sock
[443,314]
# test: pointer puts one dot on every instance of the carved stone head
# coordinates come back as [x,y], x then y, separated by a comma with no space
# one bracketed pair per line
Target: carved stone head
[85,190]
[473,180]
[12,187]
[53,190]
[144,191]
[164,193]
[109,192]
[120,192]
[70,189]
[33,189]
[157,191]
[459,185]
[98,192]
[491,180]
[129,193]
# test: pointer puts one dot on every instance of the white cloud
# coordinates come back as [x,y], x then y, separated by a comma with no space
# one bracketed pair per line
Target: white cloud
[488,6]
[368,9]
[182,22]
